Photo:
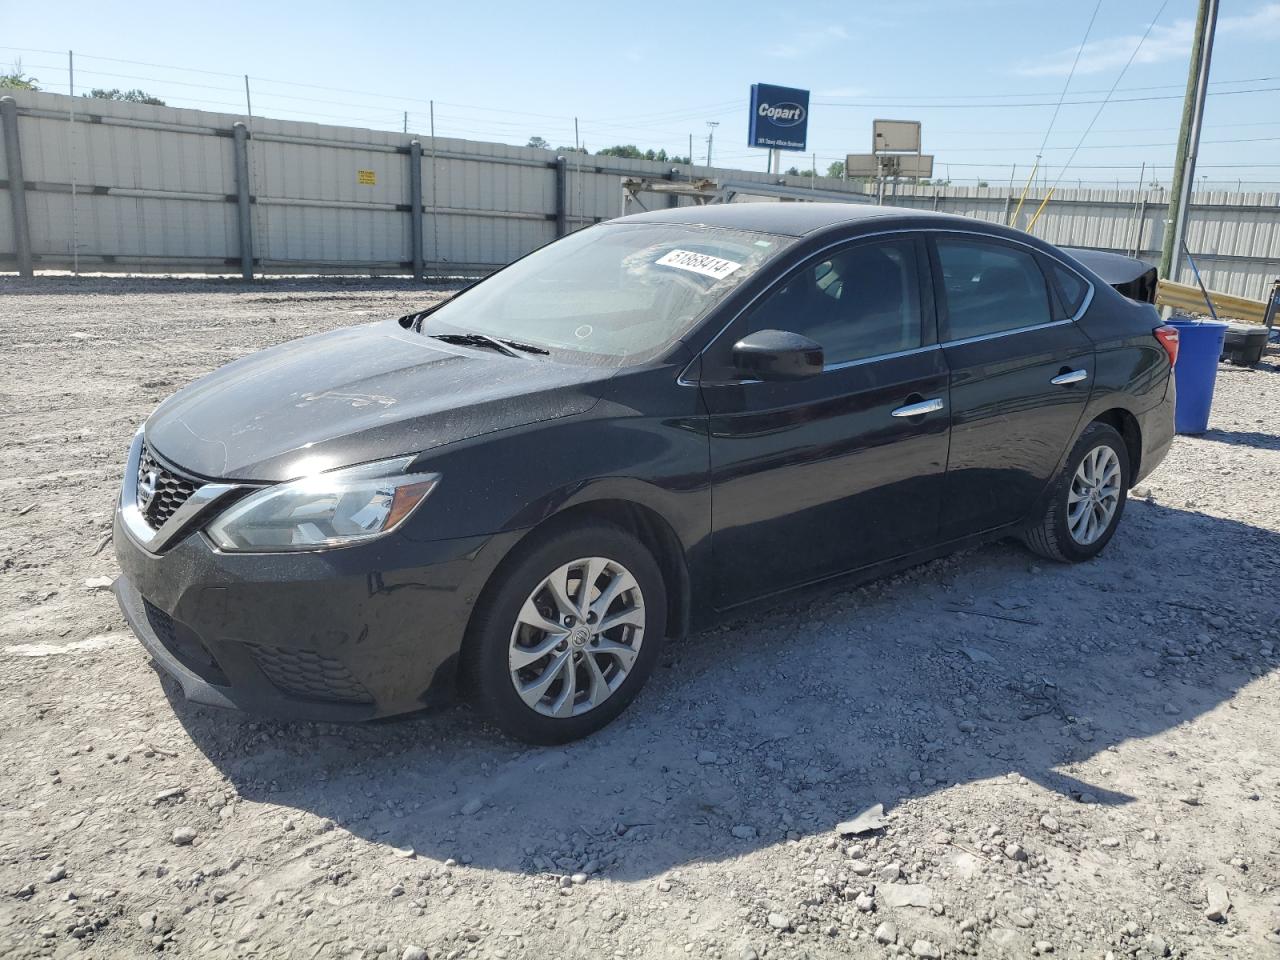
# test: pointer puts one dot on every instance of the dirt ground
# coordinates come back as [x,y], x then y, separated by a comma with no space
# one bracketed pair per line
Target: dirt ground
[1077,761]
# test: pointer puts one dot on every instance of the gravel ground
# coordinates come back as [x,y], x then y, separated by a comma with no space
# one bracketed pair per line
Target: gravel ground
[1076,761]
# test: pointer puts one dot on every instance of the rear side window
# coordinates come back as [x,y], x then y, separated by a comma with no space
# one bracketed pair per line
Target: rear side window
[991,288]
[860,302]
[1071,287]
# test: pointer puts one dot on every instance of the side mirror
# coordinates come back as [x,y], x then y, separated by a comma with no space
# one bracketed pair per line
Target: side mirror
[777,355]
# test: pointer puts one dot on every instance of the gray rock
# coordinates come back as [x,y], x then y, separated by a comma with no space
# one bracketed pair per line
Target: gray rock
[906,895]
[1049,823]
[744,831]
[184,836]
[472,807]
[926,950]
[414,952]
[57,873]
[1014,851]
[707,757]
[891,872]
[865,902]
[748,953]
[886,933]
[1219,903]
[779,921]
[868,820]
[862,868]
[1026,917]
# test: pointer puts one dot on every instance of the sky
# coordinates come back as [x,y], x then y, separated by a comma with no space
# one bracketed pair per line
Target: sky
[983,76]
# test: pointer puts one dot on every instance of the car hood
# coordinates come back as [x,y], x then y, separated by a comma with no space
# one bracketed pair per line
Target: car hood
[355,395]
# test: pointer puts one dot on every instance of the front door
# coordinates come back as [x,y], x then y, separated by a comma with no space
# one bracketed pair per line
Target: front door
[815,477]
[1020,377]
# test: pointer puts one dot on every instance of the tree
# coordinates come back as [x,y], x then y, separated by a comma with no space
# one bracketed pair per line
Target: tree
[538,143]
[18,79]
[581,149]
[628,150]
[128,96]
[836,169]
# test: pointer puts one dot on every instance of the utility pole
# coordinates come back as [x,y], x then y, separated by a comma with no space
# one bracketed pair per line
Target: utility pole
[1184,164]
[711,135]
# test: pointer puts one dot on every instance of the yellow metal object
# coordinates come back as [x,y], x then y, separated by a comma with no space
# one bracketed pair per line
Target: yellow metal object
[1013,218]
[1186,296]
[1040,209]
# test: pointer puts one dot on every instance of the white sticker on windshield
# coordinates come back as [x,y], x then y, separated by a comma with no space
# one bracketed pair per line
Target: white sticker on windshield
[708,266]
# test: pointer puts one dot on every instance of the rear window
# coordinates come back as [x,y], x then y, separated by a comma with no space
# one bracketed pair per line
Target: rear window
[991,288]
[1071,288]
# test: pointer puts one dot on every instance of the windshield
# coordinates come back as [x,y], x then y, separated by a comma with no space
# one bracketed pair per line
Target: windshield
[613,293]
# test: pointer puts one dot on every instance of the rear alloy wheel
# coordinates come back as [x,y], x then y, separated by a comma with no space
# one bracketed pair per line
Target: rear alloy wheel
[1094,495]
[568,632]
[1086,500]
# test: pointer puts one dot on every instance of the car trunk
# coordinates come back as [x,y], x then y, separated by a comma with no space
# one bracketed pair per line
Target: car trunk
[1135,279]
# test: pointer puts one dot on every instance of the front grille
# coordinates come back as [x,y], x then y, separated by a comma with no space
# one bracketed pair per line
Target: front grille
[309,676]
[183,643]
[171,490]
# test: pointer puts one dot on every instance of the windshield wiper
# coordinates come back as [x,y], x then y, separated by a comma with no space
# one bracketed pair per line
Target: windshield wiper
[503,346]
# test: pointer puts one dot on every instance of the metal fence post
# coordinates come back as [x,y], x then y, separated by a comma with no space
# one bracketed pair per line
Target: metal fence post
[243,199]
[415,206]
[17,186]
[562,196]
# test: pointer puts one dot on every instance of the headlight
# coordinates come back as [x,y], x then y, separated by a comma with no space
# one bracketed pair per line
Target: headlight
[333,509]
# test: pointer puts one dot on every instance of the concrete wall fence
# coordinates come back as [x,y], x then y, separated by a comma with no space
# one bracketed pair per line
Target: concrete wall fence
[105,186]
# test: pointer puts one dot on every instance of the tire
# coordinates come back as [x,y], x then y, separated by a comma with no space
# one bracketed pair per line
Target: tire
[509,628]
[1057,535]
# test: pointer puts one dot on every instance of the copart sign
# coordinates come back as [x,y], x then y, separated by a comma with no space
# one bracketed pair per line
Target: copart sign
[779,117]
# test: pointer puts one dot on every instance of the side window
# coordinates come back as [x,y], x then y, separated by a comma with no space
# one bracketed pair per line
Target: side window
[861,302]
[1071,288]
[991,288]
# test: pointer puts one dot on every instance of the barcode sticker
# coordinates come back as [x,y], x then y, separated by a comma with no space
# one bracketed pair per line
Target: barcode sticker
[701,263]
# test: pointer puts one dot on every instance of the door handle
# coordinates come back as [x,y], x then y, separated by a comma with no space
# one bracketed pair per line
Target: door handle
[1071,376]
[919,409]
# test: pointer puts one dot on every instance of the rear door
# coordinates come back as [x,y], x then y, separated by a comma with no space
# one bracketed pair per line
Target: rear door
[1020,377]
[814,477]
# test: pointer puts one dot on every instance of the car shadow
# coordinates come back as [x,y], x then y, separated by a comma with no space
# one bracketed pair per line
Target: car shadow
[1244,438]
[983,666]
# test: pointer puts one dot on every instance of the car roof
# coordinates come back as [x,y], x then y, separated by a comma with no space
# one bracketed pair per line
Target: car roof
[792,219]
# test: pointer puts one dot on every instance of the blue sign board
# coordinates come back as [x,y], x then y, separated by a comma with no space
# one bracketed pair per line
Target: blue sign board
[779,117]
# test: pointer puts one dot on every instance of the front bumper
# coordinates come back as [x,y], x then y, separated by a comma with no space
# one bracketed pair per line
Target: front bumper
[349,634]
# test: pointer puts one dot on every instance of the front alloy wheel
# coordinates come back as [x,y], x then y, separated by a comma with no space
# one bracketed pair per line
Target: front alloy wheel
[577,637]
[1094,495]
[567,631]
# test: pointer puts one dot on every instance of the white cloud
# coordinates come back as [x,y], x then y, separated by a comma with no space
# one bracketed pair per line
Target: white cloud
[1109,55]
[1262,24]
[1165,43]
[807,41]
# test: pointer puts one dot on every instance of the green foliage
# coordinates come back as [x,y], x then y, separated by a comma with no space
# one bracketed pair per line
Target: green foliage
[538,143]
[836,169]
[18,79]
[128,96]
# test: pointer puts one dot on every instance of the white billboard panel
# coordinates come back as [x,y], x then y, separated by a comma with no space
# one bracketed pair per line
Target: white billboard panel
[895,135]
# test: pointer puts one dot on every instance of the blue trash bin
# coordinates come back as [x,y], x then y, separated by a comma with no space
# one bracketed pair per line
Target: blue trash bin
[1199,347]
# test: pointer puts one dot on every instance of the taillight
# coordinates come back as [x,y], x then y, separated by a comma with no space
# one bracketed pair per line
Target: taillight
[1168,337]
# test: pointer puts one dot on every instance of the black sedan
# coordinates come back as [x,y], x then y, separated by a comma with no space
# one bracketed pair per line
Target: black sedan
[522,492]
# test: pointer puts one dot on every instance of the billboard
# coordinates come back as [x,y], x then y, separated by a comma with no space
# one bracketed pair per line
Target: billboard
[896,135]
[779,117]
